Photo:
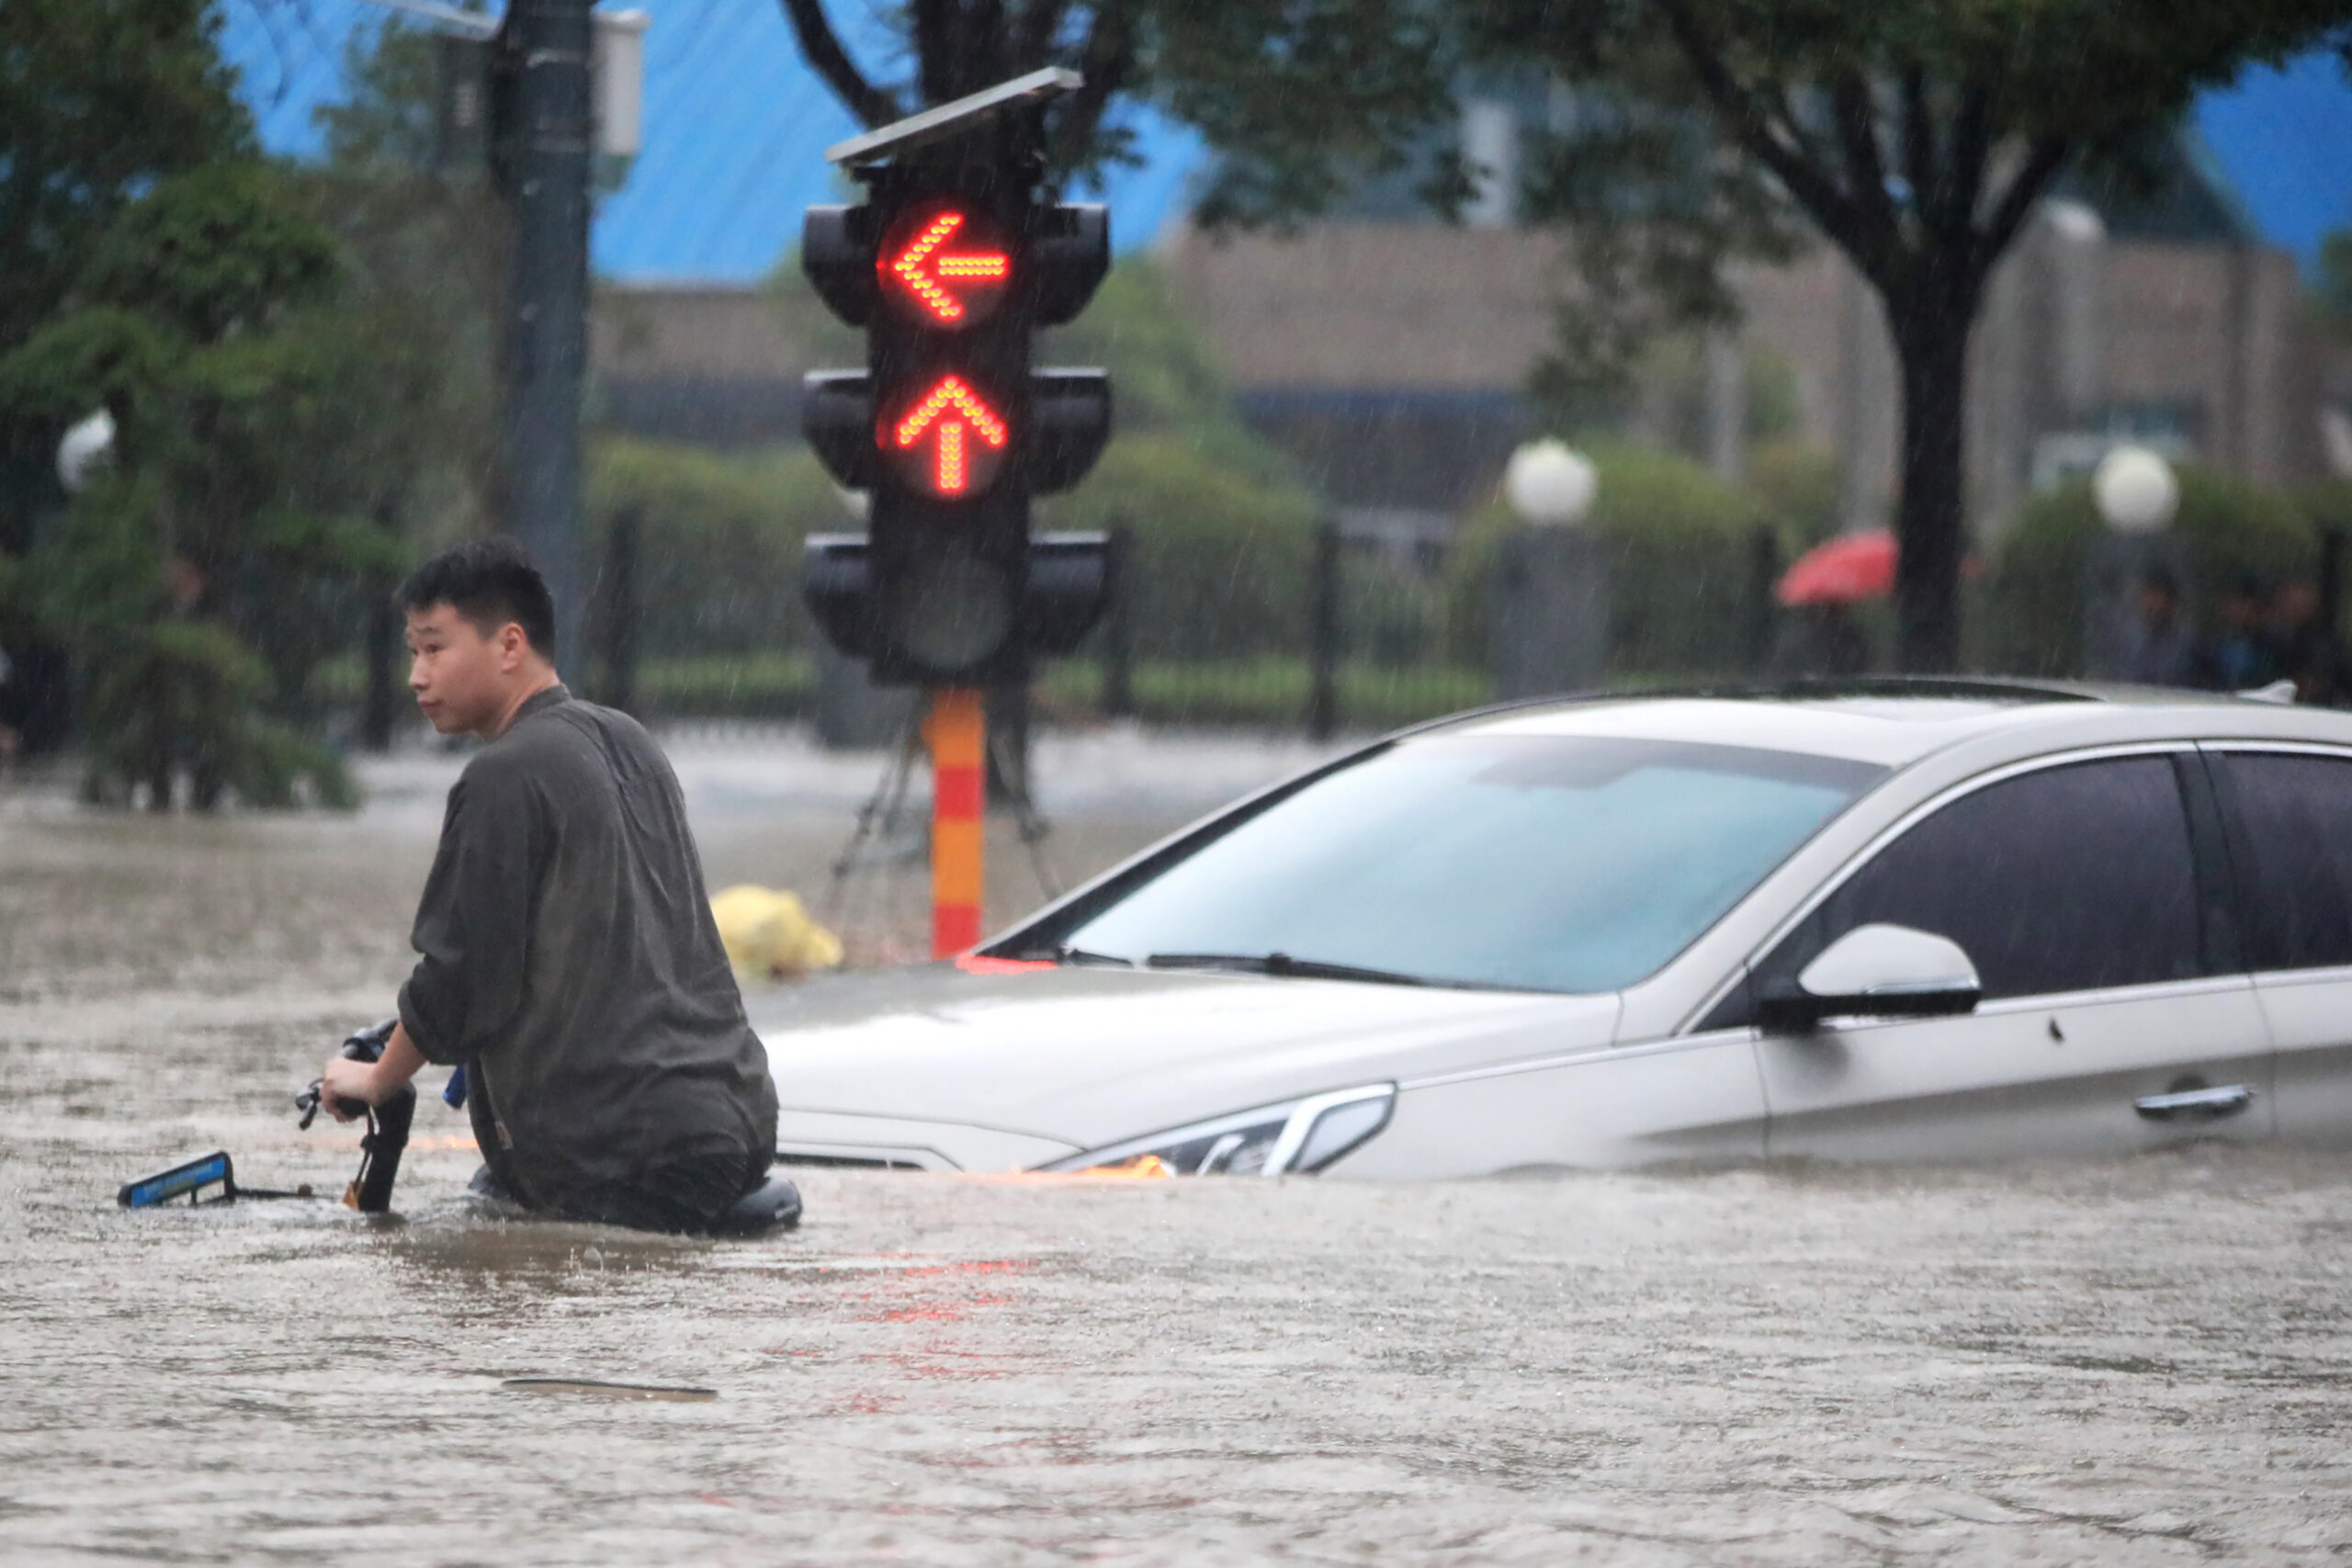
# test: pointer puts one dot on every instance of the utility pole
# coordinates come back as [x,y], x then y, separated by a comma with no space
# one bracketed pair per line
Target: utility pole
[546,132]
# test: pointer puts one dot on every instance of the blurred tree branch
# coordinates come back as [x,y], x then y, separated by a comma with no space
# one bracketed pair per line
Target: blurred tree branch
[1301,101]
[821,47]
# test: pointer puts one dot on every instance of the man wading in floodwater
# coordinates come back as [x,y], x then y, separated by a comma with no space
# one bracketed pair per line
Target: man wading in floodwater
[570,962]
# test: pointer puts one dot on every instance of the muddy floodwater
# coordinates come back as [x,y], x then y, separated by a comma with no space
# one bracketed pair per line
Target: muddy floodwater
[2144,1362]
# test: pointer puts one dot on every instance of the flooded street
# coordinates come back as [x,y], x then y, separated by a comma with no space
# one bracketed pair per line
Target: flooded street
[2142,1362]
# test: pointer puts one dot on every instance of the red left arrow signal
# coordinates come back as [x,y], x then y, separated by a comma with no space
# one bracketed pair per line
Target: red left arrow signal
[968,438]
[941,263]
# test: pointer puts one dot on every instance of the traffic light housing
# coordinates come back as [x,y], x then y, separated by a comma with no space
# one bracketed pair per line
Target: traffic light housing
[951,266]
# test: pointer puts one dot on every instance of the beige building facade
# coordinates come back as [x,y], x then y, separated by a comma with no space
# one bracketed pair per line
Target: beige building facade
[1392,358]
[2201,349]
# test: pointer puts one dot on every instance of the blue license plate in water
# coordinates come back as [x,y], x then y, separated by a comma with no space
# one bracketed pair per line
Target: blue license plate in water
[187,1181]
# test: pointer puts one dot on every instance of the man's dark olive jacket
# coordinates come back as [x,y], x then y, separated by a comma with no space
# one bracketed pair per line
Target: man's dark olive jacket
[570,963]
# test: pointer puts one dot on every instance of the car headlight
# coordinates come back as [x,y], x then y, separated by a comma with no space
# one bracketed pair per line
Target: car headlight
[1297,1137]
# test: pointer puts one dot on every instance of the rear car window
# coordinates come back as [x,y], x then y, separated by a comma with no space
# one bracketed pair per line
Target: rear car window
[2294,821]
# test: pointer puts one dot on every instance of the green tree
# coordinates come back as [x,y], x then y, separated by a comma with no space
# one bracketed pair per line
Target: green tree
[99,98]
[198,581]
[422,237]
[1916,136]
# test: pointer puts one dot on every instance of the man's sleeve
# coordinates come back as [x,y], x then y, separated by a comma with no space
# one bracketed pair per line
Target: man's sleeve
[472,932]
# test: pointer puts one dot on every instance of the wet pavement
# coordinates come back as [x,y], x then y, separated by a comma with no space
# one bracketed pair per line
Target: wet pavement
[2142,1362]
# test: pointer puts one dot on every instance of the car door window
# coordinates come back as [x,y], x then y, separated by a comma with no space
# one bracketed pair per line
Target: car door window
[2294,819]
[2071,878]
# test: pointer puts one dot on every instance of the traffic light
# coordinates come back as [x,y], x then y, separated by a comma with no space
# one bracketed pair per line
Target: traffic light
[951,265]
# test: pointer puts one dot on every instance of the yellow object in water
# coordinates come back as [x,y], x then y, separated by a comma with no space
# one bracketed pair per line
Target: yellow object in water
[1148,1168]
[769,935]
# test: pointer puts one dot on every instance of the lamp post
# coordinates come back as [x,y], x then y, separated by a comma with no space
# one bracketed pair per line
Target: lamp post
[84,448]
[1550,484]
[2138,495]
[2136,490]
[1549,594]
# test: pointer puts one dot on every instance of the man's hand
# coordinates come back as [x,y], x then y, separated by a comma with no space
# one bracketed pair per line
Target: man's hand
[371,1083]
[345,1080]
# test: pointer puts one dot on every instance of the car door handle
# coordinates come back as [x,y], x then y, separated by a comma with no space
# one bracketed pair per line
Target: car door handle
[2195,1104]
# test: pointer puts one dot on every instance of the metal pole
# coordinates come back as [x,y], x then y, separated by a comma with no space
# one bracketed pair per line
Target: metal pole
[622,616]
[1763,575]
[957,732]
[1008,760]
[383,654]
[544,363]
[2330,580]
[1323,702]
[1119,629]
[381,649]
[1726,413]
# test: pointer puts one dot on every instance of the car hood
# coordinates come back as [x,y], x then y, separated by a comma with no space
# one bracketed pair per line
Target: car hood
[1089,1056]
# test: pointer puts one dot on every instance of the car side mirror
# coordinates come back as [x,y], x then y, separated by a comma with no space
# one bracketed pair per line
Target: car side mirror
[1876,971]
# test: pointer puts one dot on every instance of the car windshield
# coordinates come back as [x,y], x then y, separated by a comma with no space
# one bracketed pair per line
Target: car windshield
[1531,862]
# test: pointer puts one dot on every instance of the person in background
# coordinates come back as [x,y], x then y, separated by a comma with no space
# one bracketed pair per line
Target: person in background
[2244,659]
[2307,653]
[1820,640]
[2164,649]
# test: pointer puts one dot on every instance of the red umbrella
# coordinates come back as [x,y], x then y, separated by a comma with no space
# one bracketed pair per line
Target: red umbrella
[1851,567]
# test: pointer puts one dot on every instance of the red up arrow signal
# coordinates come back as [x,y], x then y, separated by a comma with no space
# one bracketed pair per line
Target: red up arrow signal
[951,288]
[967,437]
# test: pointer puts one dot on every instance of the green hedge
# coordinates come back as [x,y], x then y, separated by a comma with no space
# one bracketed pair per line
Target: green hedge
[1222,549]
[2028,606]
[1678,543]
[753,685]
[1221,557]
[719,540]
[1797,485]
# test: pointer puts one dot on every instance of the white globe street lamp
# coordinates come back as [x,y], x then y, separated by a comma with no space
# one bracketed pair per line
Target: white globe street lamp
[2137,490]
[1549,484]
[83,449]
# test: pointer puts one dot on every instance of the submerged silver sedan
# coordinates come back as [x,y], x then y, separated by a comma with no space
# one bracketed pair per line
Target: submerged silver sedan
[1895,921]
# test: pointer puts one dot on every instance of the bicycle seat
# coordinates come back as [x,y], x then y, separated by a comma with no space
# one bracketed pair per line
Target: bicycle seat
[773,1204]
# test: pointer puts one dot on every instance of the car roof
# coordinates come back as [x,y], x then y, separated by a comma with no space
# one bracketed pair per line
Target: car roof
[1894,721]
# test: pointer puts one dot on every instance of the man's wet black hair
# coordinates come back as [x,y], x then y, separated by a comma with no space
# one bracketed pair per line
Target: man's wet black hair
[490,583]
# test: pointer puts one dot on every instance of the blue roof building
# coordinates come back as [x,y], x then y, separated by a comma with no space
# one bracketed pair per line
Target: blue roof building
[2196,330]
[2283,138]
[735,130]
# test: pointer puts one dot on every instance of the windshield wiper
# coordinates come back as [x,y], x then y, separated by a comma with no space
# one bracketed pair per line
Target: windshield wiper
[1074,955]
[1281,965]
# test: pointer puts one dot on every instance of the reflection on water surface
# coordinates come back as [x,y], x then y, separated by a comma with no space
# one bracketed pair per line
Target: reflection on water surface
[2144,1363]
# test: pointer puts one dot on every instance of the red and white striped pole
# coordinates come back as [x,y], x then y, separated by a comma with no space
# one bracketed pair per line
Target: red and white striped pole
[956,731]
